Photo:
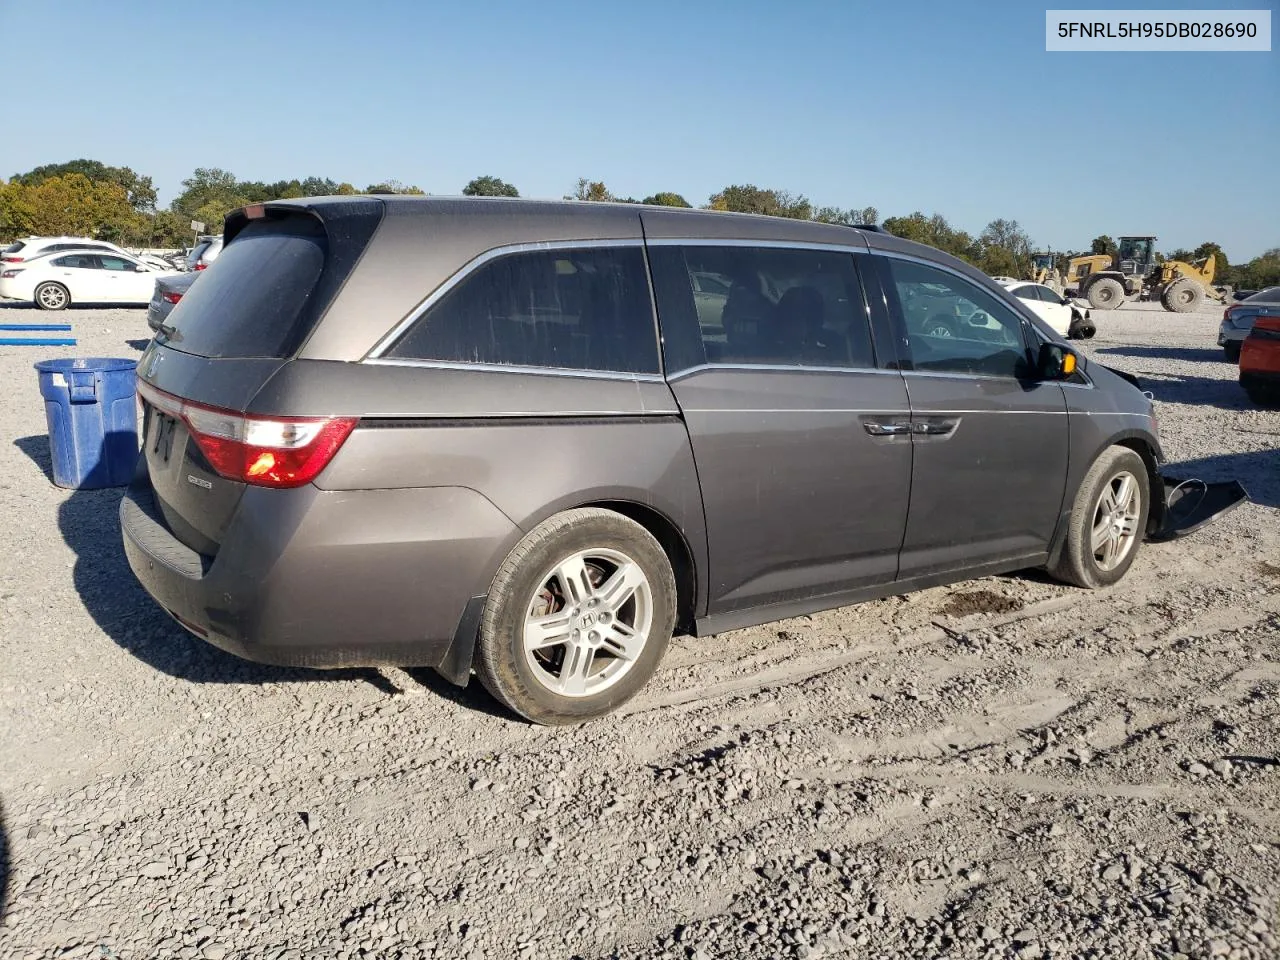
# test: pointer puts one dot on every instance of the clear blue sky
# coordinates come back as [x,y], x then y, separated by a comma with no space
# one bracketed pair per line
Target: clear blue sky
[947,107]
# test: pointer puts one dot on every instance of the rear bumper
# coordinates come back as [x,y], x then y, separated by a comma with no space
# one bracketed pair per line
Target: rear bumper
[329,578]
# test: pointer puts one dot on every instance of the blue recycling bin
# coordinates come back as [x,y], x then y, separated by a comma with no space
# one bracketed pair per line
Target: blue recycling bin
[93,422]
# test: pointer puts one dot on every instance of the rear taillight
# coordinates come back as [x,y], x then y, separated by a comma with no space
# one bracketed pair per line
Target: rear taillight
[277,452]
[10,273]
[1267,326]
[172,297]
[201,265]
[10,259]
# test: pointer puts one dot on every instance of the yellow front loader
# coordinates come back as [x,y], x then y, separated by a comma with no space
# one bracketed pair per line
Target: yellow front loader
[1133,273]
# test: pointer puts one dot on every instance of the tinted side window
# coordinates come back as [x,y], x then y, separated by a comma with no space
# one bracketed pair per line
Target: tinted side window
[583,309]
[762,305]
[955,326]
[84,261]
[115,263]
[1026,293]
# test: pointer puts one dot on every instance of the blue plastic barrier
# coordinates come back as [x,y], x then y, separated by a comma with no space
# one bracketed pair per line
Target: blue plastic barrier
[89,405]
[20,342]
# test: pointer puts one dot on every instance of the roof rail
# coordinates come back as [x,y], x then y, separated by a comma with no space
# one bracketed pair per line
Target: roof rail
[874,228]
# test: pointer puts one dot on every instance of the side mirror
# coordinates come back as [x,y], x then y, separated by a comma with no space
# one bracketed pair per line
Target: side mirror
[141,268]
[1056,362]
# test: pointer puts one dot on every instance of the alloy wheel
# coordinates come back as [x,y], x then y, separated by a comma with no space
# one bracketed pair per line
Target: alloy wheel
[588,622]
[1115,521]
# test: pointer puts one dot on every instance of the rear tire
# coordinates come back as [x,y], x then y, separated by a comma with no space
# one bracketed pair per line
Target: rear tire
[1231,351]
[1182,296]
[1105,294]
[52,296]
[1108,521]
[1260,395]
[558,644]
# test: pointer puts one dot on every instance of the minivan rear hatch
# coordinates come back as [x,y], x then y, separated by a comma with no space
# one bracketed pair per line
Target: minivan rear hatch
[233,330]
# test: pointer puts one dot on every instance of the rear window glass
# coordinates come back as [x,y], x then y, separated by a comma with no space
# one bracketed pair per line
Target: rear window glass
[14,247]
[583,309]
[254,301]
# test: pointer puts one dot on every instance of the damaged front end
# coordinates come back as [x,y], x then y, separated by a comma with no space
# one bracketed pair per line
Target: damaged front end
[1180,506]
[1183,506]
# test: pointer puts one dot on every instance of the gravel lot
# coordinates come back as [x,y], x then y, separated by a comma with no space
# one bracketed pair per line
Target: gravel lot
[1001,768]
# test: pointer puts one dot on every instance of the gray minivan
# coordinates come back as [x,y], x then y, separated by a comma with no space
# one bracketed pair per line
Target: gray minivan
[535,439]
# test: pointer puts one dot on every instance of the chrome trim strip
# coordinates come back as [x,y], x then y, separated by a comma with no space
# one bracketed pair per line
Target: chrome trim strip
[930,412]
[511,368]
[740,242]
[879,411]
[943,375]
[777,368]
[476,262]
[427,419]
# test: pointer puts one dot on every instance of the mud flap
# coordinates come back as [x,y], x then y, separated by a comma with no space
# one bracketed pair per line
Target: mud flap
[1187,505]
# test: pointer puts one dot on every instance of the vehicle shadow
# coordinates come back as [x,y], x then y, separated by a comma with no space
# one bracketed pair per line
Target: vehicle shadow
[1258,471]
[89,523]
[1190,354]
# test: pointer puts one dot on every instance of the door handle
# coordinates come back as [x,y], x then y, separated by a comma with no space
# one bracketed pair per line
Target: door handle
[887,428]
[935,426]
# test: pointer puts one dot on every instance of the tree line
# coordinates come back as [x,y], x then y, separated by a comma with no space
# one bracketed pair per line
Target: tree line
[89,198]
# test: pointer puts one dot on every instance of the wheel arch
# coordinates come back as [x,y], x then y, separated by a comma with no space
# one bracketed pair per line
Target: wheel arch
[674,544]
[1143,447]
[1146,447]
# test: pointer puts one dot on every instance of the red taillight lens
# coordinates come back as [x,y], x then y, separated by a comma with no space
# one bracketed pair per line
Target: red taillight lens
[172,297]
[1267,324]
[201,265]
[277,452]
[10,259]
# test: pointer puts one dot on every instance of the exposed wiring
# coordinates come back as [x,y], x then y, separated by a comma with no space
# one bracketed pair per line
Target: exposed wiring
[1204,492]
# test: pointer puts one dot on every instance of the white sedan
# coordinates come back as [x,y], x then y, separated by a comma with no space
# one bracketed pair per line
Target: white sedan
[56,280]
[1068,318]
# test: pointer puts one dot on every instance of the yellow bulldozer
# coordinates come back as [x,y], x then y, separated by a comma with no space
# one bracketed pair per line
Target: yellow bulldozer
[1133,273]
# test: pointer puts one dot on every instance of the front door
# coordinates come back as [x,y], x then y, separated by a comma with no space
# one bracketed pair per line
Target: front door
[801,439]
[990,439]
[122,281]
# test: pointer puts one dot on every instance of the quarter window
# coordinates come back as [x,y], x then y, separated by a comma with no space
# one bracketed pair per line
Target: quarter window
[581,309]
[760,305]
[955,326]
[115,263]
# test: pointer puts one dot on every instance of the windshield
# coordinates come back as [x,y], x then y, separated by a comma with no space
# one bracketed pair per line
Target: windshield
[1133,249]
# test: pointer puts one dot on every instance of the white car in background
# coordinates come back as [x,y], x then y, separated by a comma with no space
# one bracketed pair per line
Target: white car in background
[1068,318]
[31,247]
[204,253]
[56,280]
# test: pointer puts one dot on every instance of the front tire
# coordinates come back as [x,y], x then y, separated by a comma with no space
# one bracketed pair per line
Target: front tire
[52,296]
[1105,294]
[1108,521]
[578,617]
[1182,296]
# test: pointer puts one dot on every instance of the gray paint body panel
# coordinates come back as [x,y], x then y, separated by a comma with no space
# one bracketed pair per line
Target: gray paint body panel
[785,501]
[788,470]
